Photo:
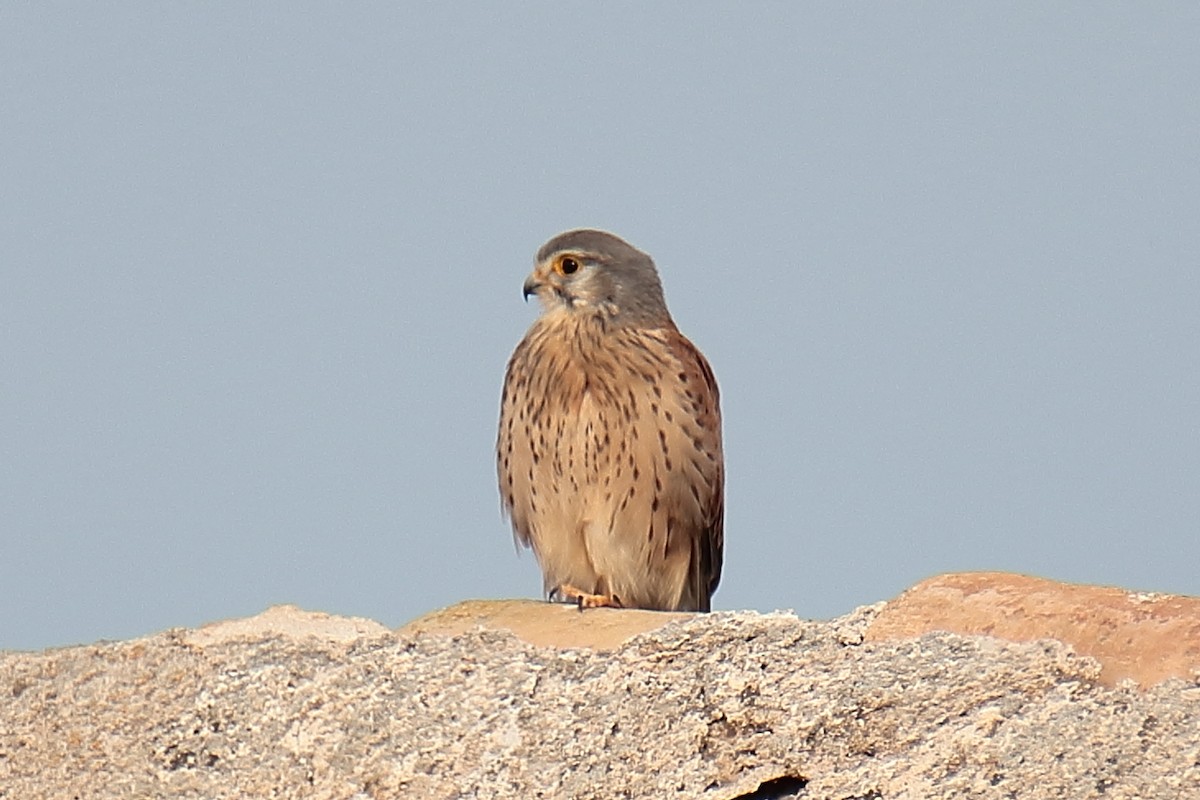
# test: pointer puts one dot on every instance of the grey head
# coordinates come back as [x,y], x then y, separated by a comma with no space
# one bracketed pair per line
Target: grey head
[594,272]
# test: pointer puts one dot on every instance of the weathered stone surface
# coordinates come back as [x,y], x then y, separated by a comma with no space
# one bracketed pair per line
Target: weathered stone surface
[289,622]
[1134,635]
[721,706]
[542,624]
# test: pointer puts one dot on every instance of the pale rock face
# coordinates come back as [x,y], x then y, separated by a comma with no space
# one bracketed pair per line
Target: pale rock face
[1136,636]
[517,699]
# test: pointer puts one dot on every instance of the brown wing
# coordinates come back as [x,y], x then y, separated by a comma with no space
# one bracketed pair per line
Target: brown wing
[701,399]
[514,456]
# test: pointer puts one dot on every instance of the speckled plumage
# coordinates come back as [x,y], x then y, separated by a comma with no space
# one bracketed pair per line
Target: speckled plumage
[609,451]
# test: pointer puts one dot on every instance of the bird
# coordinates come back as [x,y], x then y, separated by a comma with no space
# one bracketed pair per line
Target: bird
[609,453]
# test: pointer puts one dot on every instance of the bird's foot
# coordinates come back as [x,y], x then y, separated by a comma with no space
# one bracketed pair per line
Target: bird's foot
[566,593]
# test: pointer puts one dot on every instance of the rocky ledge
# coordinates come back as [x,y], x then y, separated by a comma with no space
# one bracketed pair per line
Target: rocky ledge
[978,685]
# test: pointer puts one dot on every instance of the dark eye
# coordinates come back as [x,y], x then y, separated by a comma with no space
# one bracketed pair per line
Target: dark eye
[569,265]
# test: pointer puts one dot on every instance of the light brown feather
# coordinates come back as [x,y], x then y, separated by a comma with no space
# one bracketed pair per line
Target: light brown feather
[609,459]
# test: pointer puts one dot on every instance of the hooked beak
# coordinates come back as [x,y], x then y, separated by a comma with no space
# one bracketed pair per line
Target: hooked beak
[532,285]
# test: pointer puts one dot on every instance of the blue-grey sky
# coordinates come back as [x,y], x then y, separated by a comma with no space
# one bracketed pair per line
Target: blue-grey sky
[261,267]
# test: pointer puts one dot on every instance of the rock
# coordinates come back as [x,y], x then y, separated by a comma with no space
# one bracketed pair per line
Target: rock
[289,622]
[543,624]
[522,700]
[1138,636]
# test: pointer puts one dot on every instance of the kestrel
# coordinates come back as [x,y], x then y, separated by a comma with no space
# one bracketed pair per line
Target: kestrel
[609,452]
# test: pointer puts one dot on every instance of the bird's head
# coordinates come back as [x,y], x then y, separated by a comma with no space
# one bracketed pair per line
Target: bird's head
[594,272]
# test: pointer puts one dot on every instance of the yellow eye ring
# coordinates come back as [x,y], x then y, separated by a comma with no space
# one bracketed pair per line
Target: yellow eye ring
[567,265]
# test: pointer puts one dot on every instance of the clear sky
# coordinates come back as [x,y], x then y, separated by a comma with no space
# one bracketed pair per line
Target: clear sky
[261,267]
